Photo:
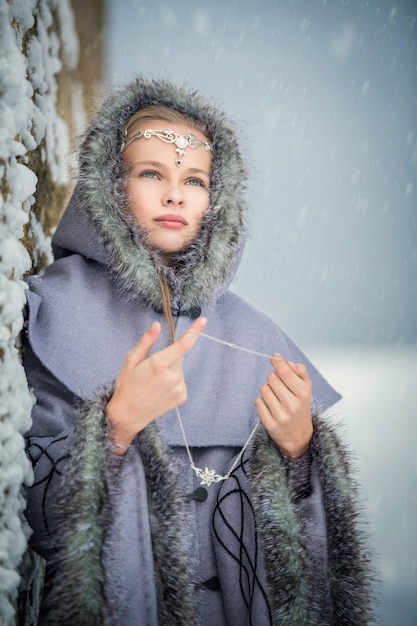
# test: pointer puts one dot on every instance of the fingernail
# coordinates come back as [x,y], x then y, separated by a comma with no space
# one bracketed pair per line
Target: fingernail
[292,365]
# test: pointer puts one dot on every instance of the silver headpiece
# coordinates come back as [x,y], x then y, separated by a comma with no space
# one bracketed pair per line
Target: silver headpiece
[169,136]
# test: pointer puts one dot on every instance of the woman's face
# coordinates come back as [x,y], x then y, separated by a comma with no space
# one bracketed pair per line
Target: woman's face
[168,200]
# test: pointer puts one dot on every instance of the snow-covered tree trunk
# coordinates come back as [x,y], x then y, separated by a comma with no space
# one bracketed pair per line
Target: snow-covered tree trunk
[39,52]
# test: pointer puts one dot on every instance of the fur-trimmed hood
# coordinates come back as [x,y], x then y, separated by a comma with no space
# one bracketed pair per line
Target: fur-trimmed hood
[102,293]
[94,226]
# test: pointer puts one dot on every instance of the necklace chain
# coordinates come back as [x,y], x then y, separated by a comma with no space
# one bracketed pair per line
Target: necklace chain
[209,476]
[230,345]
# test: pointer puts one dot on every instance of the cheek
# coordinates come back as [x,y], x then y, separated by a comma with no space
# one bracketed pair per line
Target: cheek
[132,197]
[136,204]
[198,216]
[202,206]
[132,189]
[137,196]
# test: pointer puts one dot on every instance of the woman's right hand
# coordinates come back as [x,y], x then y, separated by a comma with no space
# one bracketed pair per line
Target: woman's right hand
[148,387]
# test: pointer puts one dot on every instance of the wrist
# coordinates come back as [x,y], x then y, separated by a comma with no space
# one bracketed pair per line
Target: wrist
[118,448]
[294,453]
[118,439]
[295,449]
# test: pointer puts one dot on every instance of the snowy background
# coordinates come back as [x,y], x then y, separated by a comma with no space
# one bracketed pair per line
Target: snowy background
[325,93]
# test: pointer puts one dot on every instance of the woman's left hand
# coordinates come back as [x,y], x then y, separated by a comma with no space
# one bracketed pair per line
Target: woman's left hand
[284,406]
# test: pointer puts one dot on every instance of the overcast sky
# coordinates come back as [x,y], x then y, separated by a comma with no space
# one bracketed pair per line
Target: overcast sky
[325,94]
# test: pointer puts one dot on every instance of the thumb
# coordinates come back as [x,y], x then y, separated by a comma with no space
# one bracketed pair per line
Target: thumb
[145,343]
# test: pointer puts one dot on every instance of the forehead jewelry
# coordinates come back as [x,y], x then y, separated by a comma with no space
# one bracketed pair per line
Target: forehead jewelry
[169,136]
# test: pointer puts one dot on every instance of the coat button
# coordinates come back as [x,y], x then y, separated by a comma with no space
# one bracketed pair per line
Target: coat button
[212,583]
[199,494]
[194,312]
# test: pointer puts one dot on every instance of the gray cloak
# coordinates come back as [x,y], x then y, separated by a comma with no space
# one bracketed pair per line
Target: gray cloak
[137,540]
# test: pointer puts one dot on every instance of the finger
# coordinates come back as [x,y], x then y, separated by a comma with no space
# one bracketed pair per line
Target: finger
[192,334]
[294,376]
[280,400]
[270,399]
[185,342]
[299,369]
[140,351]
[278,388]
[263,412]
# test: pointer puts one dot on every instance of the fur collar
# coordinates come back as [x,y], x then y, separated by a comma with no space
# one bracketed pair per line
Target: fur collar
[206,268]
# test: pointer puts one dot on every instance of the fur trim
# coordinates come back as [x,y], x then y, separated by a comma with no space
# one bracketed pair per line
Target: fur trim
[76,596]
[205,269]
[277,524]
[351,576]
[173,562]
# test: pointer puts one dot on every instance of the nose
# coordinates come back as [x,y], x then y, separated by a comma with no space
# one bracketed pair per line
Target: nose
[173,194]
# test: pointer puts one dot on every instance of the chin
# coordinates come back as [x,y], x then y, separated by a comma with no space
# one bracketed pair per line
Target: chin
[170,246]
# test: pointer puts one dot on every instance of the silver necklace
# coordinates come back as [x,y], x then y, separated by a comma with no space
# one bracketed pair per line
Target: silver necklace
[209,476]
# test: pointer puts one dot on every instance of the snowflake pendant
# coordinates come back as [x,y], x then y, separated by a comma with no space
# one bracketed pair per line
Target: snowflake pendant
[207,477]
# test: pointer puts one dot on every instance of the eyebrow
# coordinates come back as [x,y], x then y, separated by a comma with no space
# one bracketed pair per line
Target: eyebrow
[197,170]
[151,163]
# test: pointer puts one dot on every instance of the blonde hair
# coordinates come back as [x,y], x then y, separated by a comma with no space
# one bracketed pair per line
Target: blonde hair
[165,114]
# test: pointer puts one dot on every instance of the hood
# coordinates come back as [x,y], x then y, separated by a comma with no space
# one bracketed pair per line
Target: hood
[96,223]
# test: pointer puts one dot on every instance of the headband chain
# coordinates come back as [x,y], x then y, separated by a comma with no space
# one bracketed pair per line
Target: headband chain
[169,136]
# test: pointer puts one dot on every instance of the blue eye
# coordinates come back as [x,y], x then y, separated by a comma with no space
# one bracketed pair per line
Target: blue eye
[195,182]
[148,174]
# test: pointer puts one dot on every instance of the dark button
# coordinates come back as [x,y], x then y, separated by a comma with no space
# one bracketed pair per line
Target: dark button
[212,583]
[194,312]
[199,494]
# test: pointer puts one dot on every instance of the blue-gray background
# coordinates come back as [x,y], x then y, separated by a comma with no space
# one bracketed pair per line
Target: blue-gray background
[325,95]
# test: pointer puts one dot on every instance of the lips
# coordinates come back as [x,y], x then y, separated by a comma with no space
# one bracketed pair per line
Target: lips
[171,221]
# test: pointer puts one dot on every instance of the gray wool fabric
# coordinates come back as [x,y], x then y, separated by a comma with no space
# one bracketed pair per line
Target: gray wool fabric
[129,540]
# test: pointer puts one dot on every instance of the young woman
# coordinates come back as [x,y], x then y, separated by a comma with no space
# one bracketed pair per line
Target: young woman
[184,473]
